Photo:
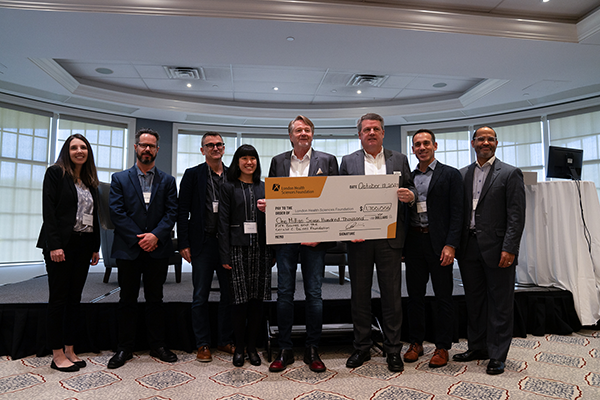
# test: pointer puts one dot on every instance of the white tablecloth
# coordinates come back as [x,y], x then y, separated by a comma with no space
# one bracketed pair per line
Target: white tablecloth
[554,251]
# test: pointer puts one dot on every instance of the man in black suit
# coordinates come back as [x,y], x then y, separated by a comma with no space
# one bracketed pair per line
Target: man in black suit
[143,209]
[197,221]
[434,236]
[494,218]
[373,159]
[303,160]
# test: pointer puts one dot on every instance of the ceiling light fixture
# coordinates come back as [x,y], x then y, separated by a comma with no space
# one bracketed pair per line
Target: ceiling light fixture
[189,85]
[359,91]
[290,39]
[104,71]
[440,85]
[275,88]
[545,1]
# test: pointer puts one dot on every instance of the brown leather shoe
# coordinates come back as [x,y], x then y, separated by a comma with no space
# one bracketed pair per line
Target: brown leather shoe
[414,351]
[228,348]
[439,359]
[204,354]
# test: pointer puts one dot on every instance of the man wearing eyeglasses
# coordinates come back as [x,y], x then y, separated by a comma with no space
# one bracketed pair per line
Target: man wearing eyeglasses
[143,209]
[198,243]
[302,160]
[494,218]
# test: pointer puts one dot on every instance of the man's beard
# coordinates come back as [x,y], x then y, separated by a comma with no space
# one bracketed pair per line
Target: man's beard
[146,160]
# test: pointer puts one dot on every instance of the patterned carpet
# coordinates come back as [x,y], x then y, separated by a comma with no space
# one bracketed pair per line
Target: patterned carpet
[549,367]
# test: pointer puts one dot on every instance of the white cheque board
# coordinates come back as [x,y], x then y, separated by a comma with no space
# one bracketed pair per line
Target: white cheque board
[331,208]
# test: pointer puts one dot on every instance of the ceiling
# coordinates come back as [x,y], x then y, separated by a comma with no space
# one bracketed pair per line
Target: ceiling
[435,59]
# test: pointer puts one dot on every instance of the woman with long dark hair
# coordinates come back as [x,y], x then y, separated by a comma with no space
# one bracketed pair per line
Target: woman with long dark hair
[243,250]
[70,239]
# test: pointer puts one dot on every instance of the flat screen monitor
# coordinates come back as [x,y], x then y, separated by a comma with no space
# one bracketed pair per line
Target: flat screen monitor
[564,163]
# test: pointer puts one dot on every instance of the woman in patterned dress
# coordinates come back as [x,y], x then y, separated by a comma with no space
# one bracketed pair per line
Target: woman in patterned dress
[243,250]
[70,239]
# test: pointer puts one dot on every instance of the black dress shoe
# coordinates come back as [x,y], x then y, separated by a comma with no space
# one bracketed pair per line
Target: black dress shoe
[284,358]
[394,362]
[311,357]
[495,367]
[471,355]
[70,368]
[164,354]
[358,358]
[118,360]
[254,357]
[80,363]
[238,359]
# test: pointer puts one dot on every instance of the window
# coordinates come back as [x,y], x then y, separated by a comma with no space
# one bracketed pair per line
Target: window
[108,144]
[453,148]
[189,154]
[521,145]
[268,147]
[23,161]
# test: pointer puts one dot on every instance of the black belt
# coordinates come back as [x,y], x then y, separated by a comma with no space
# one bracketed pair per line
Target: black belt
[420,229]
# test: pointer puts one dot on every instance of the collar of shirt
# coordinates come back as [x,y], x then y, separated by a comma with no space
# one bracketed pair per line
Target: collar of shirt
[488,162]
[299,167]
[305,158]
[375,165]
[140,173]
[431,166]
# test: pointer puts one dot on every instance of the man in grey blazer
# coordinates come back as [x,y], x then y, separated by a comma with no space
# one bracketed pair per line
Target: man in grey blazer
[303,160]
[373,159]
[493,224]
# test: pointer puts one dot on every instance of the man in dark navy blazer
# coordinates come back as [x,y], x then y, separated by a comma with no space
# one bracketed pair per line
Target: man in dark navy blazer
[373,159]
[433,237]
[197,222]
[143,209]
[303,160]
[494,218]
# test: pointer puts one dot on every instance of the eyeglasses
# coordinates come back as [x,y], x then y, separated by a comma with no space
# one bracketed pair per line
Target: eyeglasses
[218,145]
[146,145]
[489,139]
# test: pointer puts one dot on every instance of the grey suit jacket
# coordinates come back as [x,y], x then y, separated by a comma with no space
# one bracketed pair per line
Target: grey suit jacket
[500,212]
[320,164]
[395,163]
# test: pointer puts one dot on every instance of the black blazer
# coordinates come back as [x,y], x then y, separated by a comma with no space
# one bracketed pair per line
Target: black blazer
[395,163]
[59,210]
[444,207]
[321,164]
[130,217]
[232,215]
[191,211]
[500,212]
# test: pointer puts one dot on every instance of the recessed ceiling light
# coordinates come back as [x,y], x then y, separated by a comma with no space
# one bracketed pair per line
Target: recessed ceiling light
[104,71]
[275,88]
[189,85]
[359,91]
[545,1]
[333,91]
[290,39]
[440,85]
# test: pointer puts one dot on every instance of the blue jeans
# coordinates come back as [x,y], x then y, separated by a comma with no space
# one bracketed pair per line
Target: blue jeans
[313,267]
[203,267]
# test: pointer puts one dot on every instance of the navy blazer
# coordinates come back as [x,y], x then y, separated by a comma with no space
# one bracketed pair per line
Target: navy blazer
[130,217]
[191,211]
[232,215]
[395,163]
[500,212]
[321,164]
[444,207]
[59,211]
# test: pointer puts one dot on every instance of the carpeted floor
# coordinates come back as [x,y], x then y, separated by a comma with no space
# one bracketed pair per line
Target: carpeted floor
[549,367]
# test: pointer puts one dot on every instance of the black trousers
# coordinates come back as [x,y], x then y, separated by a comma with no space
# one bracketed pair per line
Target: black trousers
[65,284]
[422,262]
[153,272]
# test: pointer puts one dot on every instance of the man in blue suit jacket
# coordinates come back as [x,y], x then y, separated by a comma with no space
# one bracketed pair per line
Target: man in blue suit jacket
[143,209]
[197,223]
[303,160]
[434,236]
[494,218]
[373,159]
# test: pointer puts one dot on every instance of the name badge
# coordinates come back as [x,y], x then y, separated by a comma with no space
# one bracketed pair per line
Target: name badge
[215,207]
[399,173]
[422,207]
[88,219]
[475,203]
[250,227]
[147,197]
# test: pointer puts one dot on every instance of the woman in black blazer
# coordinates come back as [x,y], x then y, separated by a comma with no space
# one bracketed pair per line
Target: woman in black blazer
[243,250]
[70,239]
